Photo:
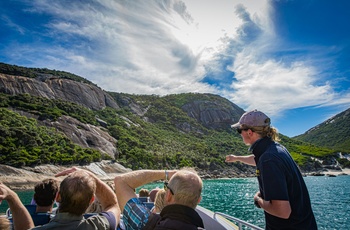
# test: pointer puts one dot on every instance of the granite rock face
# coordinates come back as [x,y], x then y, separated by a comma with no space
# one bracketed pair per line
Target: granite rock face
[211,111]
[85,135]
[218,114]
[80,93]
[87,95]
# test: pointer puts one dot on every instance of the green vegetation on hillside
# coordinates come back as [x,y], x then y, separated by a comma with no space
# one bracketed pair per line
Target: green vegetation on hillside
[141,144]
[157,144]
[47,109]
[206,147]
[303,151]
[25,143]
[333,133]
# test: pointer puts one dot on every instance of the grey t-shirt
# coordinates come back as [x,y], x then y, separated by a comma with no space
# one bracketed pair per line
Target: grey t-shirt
[104,220]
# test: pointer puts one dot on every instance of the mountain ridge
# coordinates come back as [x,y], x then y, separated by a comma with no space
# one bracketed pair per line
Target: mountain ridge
[142,131]
[336,140]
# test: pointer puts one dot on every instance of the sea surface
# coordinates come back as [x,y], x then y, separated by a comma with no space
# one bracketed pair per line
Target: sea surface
[330,199]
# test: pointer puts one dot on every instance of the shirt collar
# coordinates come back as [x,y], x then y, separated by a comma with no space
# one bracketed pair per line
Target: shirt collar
[259,147]
[251,148]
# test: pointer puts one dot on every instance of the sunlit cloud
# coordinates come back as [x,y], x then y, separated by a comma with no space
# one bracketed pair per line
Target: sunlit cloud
[263,80]
[135,36]
[273,87]
[231,48]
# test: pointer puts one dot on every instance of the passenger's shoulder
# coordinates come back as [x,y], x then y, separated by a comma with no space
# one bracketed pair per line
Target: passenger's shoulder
[153,219]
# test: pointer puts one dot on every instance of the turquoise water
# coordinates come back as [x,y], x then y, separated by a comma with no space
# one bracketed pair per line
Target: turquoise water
[330,198]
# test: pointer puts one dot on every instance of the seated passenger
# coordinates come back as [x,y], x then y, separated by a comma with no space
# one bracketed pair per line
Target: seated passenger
[44,195]
[152,194]
[159,202]
[75,194]
[183,193]
[143,195]
[43,200]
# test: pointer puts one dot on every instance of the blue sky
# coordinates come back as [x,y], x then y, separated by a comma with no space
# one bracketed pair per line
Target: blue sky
[287,58]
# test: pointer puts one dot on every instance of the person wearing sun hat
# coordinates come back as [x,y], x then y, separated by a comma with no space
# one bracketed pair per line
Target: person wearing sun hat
[282,194]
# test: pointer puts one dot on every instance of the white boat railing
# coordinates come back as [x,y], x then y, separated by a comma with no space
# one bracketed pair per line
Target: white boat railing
[240,223]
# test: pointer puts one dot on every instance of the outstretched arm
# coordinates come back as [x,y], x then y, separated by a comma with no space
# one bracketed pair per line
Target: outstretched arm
[20,215]
[249,159]
[126,183]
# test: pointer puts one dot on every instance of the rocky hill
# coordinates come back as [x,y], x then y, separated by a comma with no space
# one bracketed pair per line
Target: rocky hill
[333,133]
[56,119]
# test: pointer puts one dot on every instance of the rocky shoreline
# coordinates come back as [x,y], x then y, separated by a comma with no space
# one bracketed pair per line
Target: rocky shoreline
[25,178]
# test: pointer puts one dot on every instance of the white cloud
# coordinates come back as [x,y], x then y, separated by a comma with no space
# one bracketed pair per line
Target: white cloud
[130,41]
[273,87]
[269,82]
[341,99]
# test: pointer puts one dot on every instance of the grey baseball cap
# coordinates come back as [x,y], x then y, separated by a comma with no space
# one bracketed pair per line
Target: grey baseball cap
[252,119]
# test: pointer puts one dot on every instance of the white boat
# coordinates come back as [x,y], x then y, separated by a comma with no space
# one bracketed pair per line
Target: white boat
[222,221]
[211,220]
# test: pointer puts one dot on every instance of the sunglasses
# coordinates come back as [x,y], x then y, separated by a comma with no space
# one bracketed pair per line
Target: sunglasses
[240,130]
[166,187]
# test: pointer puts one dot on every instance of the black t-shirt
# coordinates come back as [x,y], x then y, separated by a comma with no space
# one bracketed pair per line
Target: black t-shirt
[280,179]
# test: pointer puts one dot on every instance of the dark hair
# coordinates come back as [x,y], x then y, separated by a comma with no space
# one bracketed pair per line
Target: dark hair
[143,192]
[45,192]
